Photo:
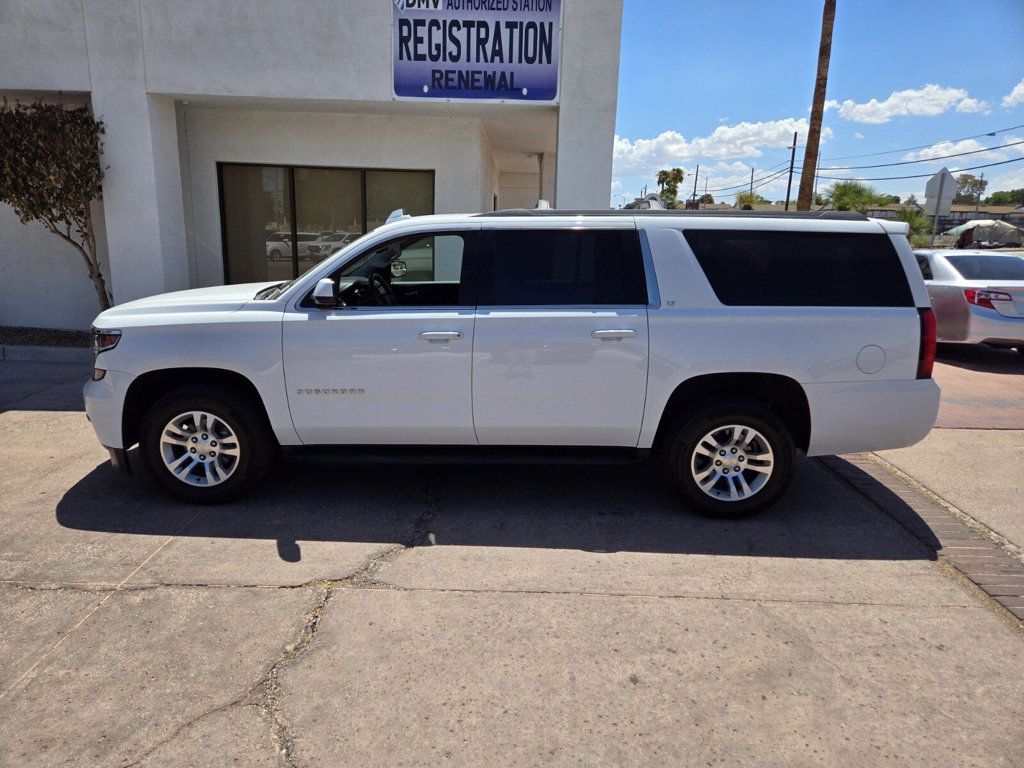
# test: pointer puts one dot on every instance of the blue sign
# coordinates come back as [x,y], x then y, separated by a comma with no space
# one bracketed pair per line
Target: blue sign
[476,49]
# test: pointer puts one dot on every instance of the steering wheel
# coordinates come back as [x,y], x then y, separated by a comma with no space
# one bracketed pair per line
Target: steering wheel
[380,291]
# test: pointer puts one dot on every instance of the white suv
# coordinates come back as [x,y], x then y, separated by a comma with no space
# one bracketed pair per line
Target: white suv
[717,343]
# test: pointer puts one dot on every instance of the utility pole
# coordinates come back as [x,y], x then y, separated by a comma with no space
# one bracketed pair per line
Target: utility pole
[751,185]
[696,175]
[705,187]
[828,18]
[792,159]
[981,186]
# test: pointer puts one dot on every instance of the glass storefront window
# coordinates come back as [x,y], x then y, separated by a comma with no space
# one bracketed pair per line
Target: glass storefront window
[330,207]
[329,212]
[257,223]
[387,191]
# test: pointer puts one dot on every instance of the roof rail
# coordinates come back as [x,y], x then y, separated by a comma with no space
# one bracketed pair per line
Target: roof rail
[737,213]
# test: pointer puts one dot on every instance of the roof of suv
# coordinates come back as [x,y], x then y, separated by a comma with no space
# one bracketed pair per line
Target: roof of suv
[817,215]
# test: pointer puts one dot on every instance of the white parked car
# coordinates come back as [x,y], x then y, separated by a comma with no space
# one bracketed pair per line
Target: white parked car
[718,343]
[978,296]
[279,245]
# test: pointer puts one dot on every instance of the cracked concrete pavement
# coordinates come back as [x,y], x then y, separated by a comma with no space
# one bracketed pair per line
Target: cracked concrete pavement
[413,615]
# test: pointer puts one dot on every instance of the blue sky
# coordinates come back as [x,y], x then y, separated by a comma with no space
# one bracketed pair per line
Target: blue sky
[725,84]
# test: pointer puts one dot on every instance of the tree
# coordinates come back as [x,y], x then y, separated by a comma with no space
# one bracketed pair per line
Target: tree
[828,18]
[50,172]
[884,199]
[668,185]
[851,196]
[706,199]
[747,200]
[969,189]
[911,200]
[920,226]
[1007,197]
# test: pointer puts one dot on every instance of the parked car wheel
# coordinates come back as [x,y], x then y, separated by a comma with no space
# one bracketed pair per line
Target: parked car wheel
[277,255]
[206,446]
[729,459]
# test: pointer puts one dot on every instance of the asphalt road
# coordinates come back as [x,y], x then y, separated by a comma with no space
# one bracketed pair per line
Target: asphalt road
[420,615]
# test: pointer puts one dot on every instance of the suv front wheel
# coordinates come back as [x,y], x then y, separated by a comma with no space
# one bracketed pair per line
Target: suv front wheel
[729,459]
[205,446]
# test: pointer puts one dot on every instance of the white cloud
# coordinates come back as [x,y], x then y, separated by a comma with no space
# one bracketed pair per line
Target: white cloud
[616,185]
[927,101]
[858,135]
[973,105]
[644,157]
[943,148]
[1014,97]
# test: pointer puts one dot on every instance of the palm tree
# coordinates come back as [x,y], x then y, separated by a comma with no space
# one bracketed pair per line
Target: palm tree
[828,18]
[920,226]
[851,196]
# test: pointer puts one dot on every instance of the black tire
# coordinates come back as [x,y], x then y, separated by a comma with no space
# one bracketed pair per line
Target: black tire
[257,446]
[682,440]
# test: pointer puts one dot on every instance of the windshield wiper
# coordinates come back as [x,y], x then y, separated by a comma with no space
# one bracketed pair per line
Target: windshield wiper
[272,291]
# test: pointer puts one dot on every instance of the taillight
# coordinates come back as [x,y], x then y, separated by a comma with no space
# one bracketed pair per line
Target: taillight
[926,355]
[984,298]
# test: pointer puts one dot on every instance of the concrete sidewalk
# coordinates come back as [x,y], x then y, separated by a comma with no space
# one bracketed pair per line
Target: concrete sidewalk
[979,471]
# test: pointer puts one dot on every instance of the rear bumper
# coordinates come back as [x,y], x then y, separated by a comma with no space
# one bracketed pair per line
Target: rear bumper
[870,416]
[987,325]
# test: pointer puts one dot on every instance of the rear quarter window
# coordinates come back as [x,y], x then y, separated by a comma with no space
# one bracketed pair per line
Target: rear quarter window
[801,269]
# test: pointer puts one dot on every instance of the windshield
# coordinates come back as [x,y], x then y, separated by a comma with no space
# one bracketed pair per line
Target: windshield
[988,267]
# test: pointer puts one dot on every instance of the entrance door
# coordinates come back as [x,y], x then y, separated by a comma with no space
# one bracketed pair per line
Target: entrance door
[395,364]
[560,348]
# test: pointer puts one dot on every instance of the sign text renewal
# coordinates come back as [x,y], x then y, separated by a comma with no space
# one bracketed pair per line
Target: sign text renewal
[476,49]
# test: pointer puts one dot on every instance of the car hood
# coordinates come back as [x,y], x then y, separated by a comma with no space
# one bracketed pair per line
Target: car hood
[218,298]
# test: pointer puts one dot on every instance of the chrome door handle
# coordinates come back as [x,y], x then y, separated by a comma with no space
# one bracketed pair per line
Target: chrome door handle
[612,334]
[441,335]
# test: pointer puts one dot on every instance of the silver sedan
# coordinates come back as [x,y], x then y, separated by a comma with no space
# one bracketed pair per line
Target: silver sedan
[977,296]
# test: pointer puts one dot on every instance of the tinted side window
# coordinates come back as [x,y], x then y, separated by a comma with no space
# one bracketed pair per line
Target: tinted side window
[552,267]
[801,269]
[925,267]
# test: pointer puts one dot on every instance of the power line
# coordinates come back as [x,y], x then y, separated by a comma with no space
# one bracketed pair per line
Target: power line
[746,184]
[919,175]
[922,160]
[923,146]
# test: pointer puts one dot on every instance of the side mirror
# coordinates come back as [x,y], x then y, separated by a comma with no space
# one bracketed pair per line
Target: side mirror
[325,295]
[398,268]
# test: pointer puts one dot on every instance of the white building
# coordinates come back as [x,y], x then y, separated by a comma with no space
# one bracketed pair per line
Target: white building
[235,125]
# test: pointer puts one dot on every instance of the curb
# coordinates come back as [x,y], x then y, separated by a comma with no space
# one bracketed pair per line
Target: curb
[981,560]
[33,354]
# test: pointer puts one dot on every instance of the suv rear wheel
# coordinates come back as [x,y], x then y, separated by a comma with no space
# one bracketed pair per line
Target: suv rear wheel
[204,445]
[729,459]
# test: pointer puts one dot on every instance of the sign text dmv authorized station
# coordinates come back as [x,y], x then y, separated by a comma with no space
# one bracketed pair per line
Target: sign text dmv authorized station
[476,49]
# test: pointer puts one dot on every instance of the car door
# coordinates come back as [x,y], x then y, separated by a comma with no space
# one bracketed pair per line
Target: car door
[398,373]
[560,348]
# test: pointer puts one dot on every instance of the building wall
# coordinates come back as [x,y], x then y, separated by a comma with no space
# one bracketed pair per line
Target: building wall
[452,148]
[44,282]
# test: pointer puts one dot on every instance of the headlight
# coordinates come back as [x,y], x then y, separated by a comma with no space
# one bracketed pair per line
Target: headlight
[102,340]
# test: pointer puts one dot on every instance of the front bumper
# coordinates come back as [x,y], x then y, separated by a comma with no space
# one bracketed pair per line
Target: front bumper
[104,405]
